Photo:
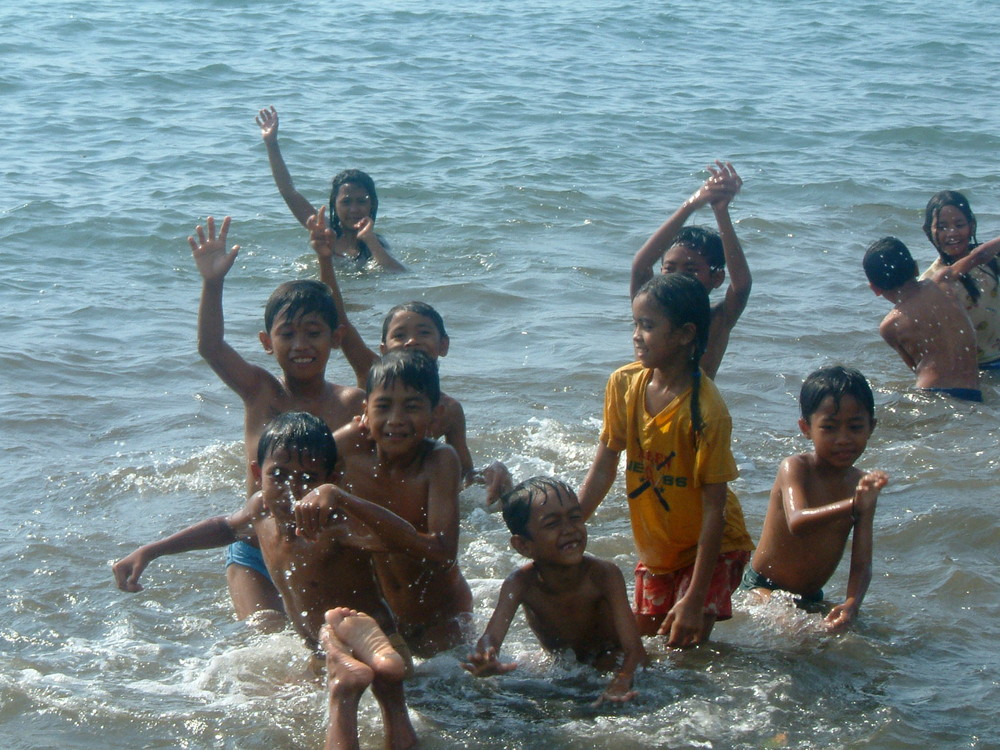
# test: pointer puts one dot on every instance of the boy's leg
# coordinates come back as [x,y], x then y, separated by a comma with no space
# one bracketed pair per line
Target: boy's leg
[251,589]
[347,679]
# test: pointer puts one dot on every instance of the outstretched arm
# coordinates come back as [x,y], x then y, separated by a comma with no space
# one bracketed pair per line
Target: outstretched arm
[267,120]
[645,260]
[864,500]
[599,479]
[620,689]
[983,254]
[214,262]
[727,185]
[486,658]
[358,355]
[801,518]
[212,532]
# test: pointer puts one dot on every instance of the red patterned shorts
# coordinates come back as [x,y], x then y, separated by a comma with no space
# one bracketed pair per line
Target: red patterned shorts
[656,594]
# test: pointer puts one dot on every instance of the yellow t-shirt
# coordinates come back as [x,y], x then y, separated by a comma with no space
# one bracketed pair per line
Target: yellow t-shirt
[664,472]
[984,313]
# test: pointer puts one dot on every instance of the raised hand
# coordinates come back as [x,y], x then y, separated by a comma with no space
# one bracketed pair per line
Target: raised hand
[724,183]
[267,121]
[866,495]
[210,253]
[321,237]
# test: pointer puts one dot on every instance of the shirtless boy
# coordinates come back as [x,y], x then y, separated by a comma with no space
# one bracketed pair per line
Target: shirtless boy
[928,327]
[570,599]
[296,454]
[412,325]
[704,254]
[403,486]
[820,498]
[300,330]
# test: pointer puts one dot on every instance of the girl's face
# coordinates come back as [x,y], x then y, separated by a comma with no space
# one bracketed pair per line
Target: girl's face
[952,232]
[657,341]
[352,205]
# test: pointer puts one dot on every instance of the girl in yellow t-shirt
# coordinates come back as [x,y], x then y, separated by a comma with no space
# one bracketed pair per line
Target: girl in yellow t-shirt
[675,430]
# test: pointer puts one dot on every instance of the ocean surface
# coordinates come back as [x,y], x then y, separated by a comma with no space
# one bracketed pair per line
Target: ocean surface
[522,152]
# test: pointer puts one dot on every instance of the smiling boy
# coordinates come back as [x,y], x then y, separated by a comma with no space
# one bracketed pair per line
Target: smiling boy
[403,485]
[820,498]
[301,329]
[570,599]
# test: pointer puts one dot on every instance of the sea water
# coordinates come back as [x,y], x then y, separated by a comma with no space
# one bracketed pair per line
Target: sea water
[522,152]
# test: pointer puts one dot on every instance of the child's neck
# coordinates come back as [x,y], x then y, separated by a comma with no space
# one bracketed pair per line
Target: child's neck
[313,388]
[558,578]
[402,462]
[667,383]
[906,291]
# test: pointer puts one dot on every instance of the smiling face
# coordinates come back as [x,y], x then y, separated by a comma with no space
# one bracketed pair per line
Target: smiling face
[411,330]
[301,345]
[952,232]
[398,418]
[557,534]
[657,341]
[352,204]
[839,435]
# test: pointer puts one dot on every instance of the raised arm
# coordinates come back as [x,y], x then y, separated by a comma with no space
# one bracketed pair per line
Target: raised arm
[214,262]
[358,355]
[860,576]
[486,658]
[599,479]
[267,120]
[727,185]
[379,251]
[983,254]
[645,260]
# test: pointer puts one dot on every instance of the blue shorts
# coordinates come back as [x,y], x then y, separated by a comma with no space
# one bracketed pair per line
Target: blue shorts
[991,365]
[245,554]
[966,394]
[754,580]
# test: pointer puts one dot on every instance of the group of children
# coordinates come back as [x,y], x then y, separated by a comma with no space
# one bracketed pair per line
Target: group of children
[351,525]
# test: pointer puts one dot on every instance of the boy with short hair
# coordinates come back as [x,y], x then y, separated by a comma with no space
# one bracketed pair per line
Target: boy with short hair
[301,330]
[704,254]
[927,327]
[296,456]
[403,486]
[820,498]
[570,599]
[411,325]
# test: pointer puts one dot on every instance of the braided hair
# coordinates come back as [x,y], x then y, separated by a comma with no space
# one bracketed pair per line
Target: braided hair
[683,300]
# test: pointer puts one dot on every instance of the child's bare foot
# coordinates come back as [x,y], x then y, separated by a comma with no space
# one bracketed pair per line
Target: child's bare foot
[345,674]
[369,645]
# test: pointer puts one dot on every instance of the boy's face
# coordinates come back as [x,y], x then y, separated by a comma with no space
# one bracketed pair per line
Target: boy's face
[302,346]
[410,330]
[839,436]
[398,418]
[557,532]
[287,477]
[681,259]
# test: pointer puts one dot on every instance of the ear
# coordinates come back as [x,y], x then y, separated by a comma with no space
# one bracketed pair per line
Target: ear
[265,341]
[804,426]
[336,336]
[689,331]
[521,544]
[445,343]
[876,290]
[382,349]
[255,471]
[718,277]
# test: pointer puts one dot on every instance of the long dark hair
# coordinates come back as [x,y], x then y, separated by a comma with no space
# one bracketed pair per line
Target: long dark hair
[931,213]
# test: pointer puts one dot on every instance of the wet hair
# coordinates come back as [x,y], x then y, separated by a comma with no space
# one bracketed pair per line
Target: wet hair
[418,307]
[954,198]
[299,433]
[836,381]
[888,264]
[298,298]
[412,368]
[351,177]
[704,241]
[683,299]
[515,505]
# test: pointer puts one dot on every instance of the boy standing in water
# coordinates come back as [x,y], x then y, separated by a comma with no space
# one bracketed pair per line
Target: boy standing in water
[820,498]
[704,254]
[296,455]
[301,328]
[927,327]
[570,599]
[403,486]
[411,325]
